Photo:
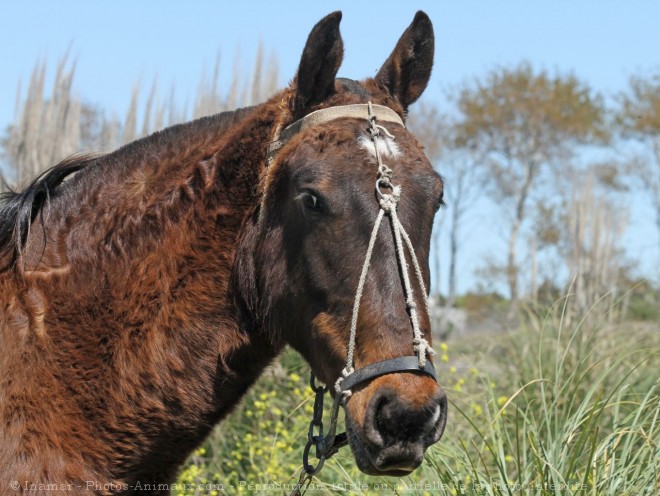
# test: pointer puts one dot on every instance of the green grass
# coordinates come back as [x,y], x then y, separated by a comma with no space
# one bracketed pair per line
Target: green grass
[547,409]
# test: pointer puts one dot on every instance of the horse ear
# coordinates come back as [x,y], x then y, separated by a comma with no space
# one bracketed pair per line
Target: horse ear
[319,63]
[406,72]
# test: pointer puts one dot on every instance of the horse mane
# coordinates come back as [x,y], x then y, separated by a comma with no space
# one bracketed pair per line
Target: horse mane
[19,209]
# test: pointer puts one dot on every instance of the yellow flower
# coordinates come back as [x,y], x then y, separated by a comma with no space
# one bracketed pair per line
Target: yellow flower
[294,377]
[263,396]
[444,357]
[444,347]
[502,400]
[508,458]
[474,371]
[452,370]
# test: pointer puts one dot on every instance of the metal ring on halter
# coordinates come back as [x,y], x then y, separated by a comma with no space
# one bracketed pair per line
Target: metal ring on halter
[381,181]
[315,388]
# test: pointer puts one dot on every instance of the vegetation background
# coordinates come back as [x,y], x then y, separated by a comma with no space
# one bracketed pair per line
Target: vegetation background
[548,345]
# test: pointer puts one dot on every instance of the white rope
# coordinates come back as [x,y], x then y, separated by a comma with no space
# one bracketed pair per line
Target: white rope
[348,370]
[418,270]
[421,345]
[388,204]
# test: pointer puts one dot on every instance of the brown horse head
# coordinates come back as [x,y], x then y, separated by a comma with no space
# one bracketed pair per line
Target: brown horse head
[313,229]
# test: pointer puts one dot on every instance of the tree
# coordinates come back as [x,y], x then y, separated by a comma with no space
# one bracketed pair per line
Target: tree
[524,122]
[459,169]
[639,118]
[584,225]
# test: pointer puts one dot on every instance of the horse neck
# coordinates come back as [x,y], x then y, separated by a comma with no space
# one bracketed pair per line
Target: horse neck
[128,292]
[154,250]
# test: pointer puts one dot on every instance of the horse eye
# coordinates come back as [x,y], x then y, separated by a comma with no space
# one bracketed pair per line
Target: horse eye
[311,202]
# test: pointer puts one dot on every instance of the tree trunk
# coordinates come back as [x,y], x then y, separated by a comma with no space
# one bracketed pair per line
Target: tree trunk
[436,260]
[512,266]
[657,222]
[534,270]
[453,250]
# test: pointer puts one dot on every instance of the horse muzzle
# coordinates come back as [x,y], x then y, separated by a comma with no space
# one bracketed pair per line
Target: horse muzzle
[395,431]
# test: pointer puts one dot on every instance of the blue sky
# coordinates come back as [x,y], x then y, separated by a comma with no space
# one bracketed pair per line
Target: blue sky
[122,42]
[119,43]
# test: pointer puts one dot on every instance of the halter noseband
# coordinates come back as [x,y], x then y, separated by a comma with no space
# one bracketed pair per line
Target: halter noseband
[326,446]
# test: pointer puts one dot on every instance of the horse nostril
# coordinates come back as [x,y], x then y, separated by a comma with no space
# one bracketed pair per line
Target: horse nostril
[393,420]
[387,416]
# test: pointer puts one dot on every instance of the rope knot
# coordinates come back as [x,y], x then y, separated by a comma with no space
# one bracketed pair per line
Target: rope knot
[344,374]
[374,129]
[422,349]
[384,172]
[338,384]
[388,203]
[384,130]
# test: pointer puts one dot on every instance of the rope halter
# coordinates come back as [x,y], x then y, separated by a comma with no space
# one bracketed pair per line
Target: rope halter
[388,206]
[327,445]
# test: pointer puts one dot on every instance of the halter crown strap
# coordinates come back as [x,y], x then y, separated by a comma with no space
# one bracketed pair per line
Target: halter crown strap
[356,110]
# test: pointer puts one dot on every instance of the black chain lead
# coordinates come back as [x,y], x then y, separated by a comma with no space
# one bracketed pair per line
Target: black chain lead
[315,439]
[326,445]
